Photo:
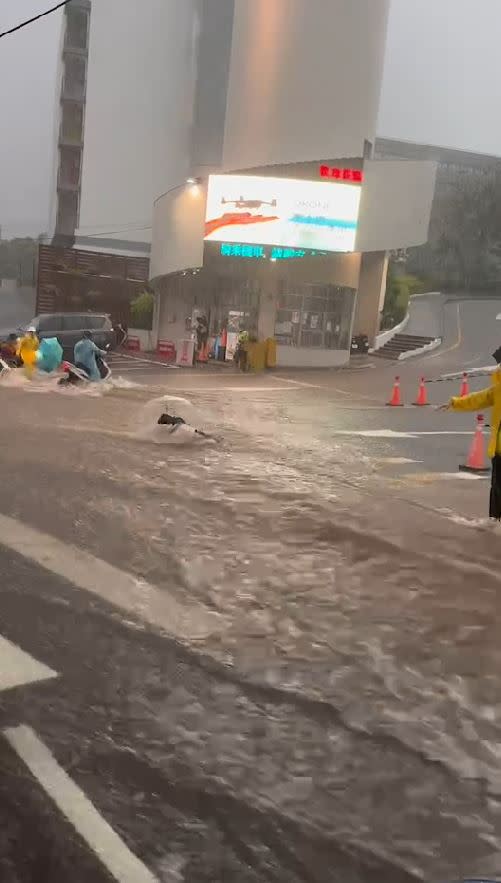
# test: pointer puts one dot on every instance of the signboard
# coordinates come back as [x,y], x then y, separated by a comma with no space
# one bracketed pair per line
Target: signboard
[342,174]
[282,212]
[273,253]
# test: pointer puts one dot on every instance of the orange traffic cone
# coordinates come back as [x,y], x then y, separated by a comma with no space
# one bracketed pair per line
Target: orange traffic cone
[476,458]
[465,389]
[422,399]
[396,401]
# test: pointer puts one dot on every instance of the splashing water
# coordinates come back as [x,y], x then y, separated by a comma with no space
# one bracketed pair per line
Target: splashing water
[146,425]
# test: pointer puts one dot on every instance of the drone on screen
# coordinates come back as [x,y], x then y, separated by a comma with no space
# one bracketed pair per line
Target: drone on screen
[248,203]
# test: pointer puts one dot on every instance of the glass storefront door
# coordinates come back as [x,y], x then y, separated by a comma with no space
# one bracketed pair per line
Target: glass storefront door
[314,316]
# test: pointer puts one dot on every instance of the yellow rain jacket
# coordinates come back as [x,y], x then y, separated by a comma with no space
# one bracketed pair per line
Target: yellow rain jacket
[27,350]
[479,401]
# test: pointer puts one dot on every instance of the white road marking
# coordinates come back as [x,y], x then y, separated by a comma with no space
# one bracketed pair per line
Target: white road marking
[300,383]
[398,461]
[211,389]
[155,606]
[110,849]
[18,668]
[146,361]
[428,477]
[391,433]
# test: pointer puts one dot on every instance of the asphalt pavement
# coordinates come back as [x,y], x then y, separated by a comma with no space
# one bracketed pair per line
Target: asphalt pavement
[270,657]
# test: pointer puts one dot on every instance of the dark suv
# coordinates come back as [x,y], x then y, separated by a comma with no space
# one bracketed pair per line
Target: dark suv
[69,328]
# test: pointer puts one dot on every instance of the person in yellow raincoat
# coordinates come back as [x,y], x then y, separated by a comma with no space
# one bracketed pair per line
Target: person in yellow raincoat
[27,350]
[480,401]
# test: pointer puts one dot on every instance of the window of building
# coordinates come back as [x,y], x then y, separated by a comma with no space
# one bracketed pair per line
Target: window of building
[316,316]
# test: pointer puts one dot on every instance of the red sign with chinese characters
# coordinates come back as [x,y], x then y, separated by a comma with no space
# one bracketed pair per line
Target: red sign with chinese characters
[354,175]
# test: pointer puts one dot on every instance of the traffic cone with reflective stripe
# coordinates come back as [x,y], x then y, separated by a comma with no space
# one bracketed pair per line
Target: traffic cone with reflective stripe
[396,400]
[422,399]
[476,461]
[465,388]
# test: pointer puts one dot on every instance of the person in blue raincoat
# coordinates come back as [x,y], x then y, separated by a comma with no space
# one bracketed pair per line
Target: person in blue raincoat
[85,356]
[49,355]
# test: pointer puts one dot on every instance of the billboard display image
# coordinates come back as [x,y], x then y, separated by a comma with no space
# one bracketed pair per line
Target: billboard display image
[283,212]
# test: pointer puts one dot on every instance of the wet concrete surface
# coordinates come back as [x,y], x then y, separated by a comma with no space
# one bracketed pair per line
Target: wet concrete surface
[343,721]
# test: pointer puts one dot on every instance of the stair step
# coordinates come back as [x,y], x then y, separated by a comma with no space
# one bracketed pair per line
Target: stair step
[402,343]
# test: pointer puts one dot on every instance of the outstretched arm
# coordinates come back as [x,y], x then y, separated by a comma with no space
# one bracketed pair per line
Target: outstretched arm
[476,401]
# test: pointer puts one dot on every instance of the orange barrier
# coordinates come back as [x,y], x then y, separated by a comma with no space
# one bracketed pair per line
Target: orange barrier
[133,344]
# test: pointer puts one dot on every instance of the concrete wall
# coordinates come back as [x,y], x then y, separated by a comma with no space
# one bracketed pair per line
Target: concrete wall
[302,357]
[141,76]
[176,89]
[396,203]
[215,31]
[305,79]
[178,231]
[371,293]
[53,195]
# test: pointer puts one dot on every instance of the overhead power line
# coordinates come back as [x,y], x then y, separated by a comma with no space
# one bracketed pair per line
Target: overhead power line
[30,21]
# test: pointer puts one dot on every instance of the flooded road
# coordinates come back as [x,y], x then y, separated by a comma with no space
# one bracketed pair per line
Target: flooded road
[332,711]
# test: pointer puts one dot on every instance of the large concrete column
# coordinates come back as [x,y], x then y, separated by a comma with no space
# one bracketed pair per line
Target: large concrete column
[371,294]
[267,309]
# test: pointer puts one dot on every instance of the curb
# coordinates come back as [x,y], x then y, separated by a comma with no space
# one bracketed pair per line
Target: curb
[423,349]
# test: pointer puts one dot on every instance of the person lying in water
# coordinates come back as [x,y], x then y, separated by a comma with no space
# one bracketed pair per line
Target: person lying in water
[175,422]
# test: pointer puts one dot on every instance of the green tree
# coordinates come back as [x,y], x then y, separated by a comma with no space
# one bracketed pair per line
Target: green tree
[141,311]
[464,248]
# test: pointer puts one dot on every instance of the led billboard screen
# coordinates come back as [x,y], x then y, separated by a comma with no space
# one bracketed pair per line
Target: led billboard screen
[283,212]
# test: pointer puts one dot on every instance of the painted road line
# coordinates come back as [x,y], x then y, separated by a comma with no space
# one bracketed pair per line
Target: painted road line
[300,383]
[155,606]
[398,461]
[104,842]
[18,668]
[146,361]
[430,477]
[391,433]
[211,389]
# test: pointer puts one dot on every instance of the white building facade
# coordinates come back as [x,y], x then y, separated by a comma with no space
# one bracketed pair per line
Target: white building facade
[285,90]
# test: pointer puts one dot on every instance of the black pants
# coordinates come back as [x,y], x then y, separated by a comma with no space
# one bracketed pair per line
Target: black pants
[495,501]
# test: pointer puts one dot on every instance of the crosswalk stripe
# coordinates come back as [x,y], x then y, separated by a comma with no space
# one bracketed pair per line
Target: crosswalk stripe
[156,606]
[105,843]
[18,668]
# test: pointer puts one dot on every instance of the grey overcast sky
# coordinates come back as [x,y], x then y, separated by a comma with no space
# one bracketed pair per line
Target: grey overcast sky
[28,64]
[442,85]
[442,82]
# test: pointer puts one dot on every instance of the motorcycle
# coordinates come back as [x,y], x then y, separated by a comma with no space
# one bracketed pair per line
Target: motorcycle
[77,374]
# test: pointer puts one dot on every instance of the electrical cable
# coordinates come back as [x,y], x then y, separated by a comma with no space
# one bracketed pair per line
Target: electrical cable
[30,21]
[83,235]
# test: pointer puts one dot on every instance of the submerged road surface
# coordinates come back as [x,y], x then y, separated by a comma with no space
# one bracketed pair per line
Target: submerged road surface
[271,658]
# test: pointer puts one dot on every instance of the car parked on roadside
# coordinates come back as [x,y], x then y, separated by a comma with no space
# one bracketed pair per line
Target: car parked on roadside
[69,329]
